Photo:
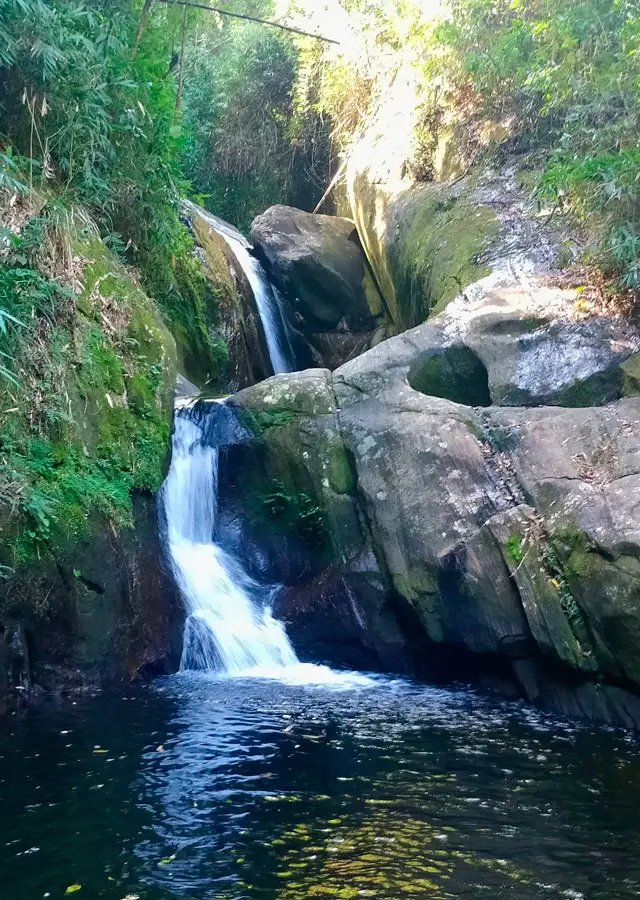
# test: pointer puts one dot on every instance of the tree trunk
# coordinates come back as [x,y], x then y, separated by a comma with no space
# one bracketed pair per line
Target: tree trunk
[181,70]
[142,24]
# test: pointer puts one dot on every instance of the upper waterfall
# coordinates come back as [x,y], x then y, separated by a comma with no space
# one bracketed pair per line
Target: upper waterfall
[229,626]
[267,297]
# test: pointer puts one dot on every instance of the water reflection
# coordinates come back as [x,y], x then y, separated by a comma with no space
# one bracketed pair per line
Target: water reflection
[250,788]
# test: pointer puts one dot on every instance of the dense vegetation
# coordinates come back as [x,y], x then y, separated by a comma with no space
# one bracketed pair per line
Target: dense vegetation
[111,112]
[248,144]
[560,77]
[106,107]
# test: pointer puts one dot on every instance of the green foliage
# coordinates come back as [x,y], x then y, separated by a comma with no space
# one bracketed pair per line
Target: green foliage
[567,558]
[96,123]
[564,75]
[515,548]
[85,418]
[298,514]
[245,149]
[558,77]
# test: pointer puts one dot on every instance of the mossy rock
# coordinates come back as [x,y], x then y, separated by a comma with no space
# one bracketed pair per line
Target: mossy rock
[426,244]
[455,373]
[438,235]
[608,594]
[630,369]
[98,429]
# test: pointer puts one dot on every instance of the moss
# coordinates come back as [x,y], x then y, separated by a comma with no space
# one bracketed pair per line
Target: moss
[603,387]
[100,370]
[574,551]
[514,548]
[341,472]
[191,301]
[90,422]
[630,369]
[141,396]
[420,588]
[570,557]
[436,251]
[454,373]
[259,421]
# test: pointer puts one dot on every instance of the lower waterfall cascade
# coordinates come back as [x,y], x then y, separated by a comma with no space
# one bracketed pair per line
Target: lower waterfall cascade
[228,628]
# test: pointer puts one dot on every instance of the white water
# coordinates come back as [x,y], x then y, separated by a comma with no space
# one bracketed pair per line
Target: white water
[267,296]
[226,631]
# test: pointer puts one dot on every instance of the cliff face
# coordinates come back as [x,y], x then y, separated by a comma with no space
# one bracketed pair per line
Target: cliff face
[463,499]
[86,419]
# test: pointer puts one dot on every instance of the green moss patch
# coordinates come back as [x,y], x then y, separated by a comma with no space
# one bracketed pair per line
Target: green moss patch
[87,420]
[630,369]
[454,373]
[437,240]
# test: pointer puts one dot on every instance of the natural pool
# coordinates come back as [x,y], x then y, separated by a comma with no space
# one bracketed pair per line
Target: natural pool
[200,788]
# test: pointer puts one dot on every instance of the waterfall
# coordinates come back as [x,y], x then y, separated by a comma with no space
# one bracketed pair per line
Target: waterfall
[228,628]
[268,298]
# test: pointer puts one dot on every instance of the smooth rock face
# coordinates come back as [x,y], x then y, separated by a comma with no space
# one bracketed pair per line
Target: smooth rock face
[498,540]
[319,266]
[492,349]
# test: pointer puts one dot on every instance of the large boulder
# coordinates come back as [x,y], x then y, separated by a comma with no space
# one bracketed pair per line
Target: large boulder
[289,481]
[318,264]
[496,542]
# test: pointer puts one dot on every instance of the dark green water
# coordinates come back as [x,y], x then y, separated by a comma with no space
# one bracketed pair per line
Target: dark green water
[281,792]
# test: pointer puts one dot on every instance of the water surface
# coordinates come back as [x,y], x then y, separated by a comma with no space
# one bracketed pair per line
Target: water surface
[200,788]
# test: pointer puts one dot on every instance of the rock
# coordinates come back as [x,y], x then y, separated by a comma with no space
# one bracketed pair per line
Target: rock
[505,539]
[425,241]
[111,611]
[318,264]
[298,510]
[345,615]
[494,348]
[330,297]
[541,599]
[530,362]
[240,323]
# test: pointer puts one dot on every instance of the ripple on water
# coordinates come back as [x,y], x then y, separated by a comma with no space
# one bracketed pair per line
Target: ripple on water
[321,784]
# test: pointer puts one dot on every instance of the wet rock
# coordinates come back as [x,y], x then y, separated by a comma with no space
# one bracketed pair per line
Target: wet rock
[240,322]
[345,615]
[318,264]
[505,539]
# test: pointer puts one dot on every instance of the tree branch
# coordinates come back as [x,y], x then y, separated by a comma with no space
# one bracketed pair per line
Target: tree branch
[142,24]
[224,12]
[181,72]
